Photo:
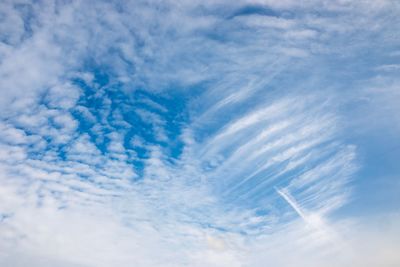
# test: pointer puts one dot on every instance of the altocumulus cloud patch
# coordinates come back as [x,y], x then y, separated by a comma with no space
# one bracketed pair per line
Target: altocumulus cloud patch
[199,133]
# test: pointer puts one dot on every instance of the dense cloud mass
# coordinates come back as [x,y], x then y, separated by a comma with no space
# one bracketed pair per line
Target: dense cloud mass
[199,133]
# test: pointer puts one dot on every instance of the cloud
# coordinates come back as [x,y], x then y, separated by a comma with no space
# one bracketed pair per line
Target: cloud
[154,133]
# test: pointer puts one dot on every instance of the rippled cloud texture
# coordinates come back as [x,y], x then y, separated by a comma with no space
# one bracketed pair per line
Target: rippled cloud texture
[199,133]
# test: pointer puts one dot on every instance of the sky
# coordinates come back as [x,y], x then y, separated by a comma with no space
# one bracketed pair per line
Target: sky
[210,133]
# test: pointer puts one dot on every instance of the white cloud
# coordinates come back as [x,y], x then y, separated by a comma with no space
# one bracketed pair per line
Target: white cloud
[70,194]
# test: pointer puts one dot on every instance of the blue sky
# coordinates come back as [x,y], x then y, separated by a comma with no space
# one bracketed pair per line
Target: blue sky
[199,133]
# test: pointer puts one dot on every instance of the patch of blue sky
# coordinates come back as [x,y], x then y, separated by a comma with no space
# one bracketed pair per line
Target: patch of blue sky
[132,106]
[248,10]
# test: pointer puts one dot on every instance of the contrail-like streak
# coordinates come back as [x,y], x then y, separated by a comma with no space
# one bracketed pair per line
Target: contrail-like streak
[292,202]
[314,220]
